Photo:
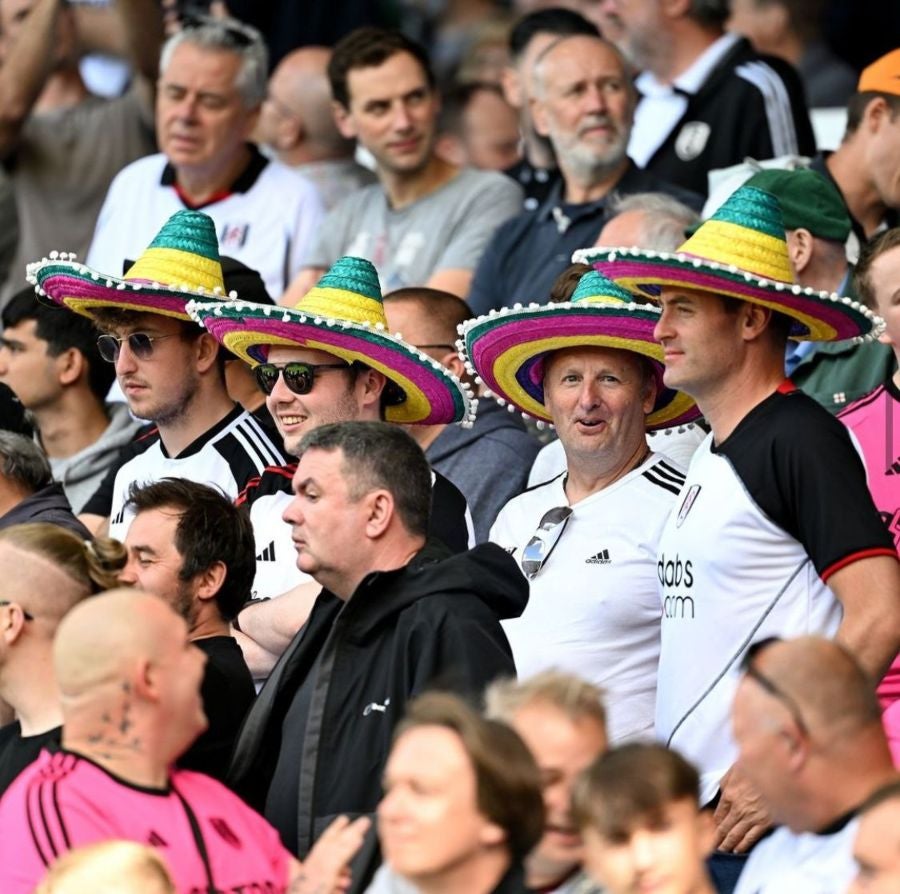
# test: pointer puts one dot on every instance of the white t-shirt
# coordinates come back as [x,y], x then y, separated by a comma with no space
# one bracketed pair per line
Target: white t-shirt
[801,863]
[225,457]
[268,220]
[763,521]
[594,606]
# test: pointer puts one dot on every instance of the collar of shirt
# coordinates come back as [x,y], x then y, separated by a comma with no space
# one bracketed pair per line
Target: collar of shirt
[693,78]
[243,183]
[576,212]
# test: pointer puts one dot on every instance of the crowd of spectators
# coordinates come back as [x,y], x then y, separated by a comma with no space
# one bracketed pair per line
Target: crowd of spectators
[449,448]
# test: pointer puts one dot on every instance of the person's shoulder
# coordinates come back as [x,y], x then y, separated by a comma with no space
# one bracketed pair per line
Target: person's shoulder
[472,181]
[143,170]
[357,202]
[293,186]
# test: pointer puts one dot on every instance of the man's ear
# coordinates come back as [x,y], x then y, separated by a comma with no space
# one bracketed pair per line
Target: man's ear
[512,87]
[207,350]
[800,249]
[538,116]
[70,365]
[381,508]
[492,835]
[210,581]
[755,318]
[344,120]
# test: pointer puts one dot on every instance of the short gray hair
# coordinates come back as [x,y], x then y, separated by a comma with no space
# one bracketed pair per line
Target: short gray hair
[22,461]
[665,218]
[575,697]
[230,36]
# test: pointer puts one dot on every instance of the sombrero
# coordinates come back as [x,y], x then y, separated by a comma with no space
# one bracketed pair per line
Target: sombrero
[740,252]
[343,314]
[507,348]
[182,263]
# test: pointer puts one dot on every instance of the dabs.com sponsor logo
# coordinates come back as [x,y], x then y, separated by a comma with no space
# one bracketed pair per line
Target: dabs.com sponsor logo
[677,577]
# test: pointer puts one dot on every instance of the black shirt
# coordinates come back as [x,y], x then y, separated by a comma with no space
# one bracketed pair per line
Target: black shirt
[18,751]
[227,691]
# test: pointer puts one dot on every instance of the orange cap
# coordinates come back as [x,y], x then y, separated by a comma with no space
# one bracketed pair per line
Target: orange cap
[882,76]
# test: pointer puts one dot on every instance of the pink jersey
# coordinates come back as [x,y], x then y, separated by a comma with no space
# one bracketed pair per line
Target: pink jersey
[210,840]
[875,422]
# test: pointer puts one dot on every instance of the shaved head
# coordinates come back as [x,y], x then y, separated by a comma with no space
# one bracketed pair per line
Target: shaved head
[38,584]
[100,639]
[437,313]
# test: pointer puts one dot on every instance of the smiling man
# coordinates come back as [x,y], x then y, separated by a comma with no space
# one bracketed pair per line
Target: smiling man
[426,222]
[399,614]
[586,540]
[211,86]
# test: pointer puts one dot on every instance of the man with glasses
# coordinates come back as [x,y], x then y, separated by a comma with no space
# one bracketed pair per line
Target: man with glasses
[774,532]
[170,371]
[211,86]
[586,540]
[808,726]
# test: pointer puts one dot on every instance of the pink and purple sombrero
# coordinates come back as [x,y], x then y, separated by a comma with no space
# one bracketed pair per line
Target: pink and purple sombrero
[181,264]
[507,348]
[740,252]
[343,315]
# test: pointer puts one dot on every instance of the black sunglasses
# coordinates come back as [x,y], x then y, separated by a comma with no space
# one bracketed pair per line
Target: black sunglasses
[750,669]
[139,343]
[537,551]
[299,377]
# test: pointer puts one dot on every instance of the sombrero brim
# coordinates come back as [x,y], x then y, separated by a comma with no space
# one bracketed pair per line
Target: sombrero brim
[507,349]
[85,290]
[433,395]
[818,316]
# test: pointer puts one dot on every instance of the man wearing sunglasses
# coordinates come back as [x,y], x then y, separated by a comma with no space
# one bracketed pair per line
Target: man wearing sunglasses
[808,725]
[330,359]
[170,370]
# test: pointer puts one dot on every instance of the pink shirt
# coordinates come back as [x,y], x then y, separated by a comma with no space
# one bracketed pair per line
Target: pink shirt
[874,420]
[210,839]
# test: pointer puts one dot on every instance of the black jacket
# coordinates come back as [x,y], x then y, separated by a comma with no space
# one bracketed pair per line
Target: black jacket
[750,106]
[432,624]
[50,505]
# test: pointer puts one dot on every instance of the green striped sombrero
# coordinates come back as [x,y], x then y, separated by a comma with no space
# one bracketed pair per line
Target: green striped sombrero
[507,348]
[182,263]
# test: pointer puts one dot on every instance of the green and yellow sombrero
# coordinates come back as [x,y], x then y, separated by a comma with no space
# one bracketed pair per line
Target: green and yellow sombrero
[181,264]
[507,348]
[343,314]
[740,252]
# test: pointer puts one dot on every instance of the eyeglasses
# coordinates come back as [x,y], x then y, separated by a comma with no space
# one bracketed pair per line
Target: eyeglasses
[299,377]
[537,551]
[444,347]
[762,680]
[139,343]
[27,615]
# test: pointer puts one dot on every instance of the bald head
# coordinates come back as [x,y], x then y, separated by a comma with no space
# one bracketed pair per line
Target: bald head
[103,637]
[829,687]
[300,84]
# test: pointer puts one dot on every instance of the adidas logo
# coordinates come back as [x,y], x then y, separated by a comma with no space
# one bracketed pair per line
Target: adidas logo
[893,469]
[119,517]
[601,558]
[268,554]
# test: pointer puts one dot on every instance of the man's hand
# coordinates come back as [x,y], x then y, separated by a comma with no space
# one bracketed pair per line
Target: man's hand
[325,869]
[742,816]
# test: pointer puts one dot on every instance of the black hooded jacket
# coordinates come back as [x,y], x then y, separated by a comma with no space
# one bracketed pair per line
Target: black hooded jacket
[433,624]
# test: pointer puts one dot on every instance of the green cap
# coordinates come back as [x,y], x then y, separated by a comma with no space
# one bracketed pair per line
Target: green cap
[808,201]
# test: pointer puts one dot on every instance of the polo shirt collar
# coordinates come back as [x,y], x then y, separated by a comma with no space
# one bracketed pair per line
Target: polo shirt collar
[576,212]
[690,81]
[243,183]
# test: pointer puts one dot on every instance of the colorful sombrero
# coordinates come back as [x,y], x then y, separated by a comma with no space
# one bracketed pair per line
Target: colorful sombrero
[506,348]
[343,314]
[740,252]
[182,263]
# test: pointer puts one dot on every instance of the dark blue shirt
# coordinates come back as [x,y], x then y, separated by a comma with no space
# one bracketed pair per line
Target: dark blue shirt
[528,252]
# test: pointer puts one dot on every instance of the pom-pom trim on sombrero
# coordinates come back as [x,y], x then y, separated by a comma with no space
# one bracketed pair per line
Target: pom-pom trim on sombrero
[740,252]
[432,394]
[506,348]
[181,264]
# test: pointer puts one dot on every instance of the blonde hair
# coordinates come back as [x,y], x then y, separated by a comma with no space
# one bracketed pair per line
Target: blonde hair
[574,696]
[94,564]
[111,867]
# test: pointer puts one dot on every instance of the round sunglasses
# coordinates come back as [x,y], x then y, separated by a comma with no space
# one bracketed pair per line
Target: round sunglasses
[299,377]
